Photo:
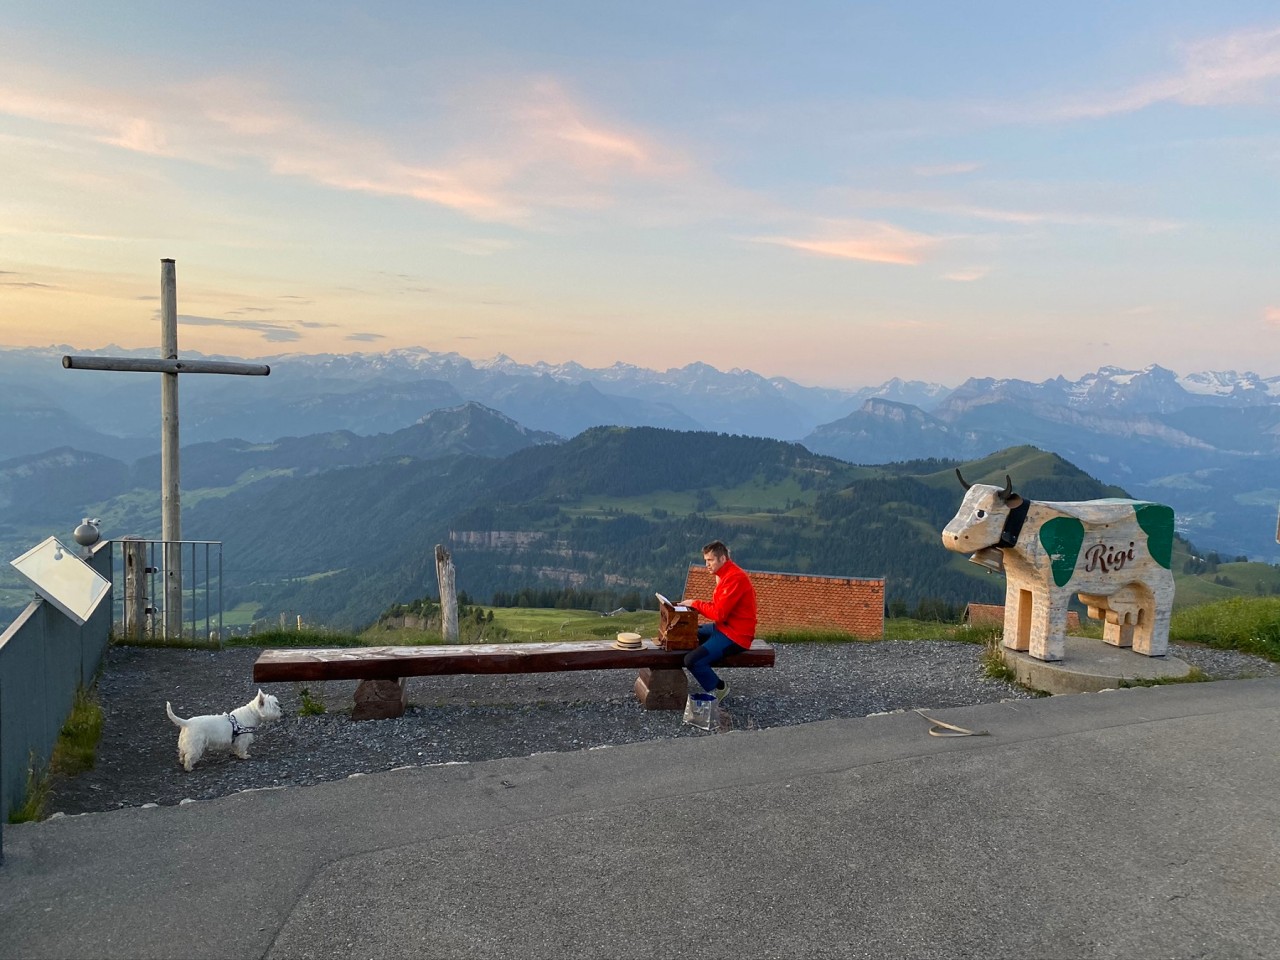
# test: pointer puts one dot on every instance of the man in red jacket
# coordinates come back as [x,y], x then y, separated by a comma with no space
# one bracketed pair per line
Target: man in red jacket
[732,610]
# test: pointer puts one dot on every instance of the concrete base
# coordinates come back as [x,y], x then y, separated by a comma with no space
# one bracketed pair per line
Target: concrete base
[1091,665]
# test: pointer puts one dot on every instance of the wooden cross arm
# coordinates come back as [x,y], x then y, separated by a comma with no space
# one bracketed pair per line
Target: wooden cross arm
[141,365]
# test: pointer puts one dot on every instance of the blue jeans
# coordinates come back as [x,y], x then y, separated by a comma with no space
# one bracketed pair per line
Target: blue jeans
[713,647]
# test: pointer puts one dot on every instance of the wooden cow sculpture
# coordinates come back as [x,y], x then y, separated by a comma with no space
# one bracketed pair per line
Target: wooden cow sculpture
[1114,553]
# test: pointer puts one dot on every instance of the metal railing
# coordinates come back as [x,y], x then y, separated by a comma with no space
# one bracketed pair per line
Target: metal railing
[154,575]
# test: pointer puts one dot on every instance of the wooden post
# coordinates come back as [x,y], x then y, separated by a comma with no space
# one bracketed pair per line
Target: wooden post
[135,588]
[170,496]
[448,595]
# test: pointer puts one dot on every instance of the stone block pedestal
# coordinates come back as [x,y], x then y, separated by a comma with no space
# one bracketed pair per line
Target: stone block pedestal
[379,700]
[661,689]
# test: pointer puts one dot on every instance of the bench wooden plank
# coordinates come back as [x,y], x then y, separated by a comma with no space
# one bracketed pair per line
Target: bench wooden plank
[390,663]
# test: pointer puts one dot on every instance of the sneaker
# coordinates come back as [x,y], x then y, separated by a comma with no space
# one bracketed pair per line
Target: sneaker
[721,691]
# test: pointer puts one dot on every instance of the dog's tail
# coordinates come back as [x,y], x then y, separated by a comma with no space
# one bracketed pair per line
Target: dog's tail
[173,716]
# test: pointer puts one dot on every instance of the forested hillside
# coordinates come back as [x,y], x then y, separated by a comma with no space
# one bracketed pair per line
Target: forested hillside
[623,509]
[337,528]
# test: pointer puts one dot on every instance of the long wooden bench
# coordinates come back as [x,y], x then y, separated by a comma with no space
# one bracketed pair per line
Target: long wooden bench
[660,677]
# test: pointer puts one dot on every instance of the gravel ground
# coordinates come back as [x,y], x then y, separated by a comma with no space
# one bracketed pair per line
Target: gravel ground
[467,719]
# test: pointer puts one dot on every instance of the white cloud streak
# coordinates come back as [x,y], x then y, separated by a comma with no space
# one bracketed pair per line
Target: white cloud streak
[1237,68]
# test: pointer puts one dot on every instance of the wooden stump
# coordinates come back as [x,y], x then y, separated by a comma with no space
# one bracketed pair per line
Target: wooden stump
[661,689]
[379,700]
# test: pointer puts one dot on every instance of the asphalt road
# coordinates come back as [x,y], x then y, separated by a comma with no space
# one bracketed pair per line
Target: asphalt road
[1132,824]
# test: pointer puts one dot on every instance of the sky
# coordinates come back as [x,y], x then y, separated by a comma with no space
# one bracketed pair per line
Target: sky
[838,193]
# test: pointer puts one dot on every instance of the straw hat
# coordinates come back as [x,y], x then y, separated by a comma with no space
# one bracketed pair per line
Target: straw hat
[628,641]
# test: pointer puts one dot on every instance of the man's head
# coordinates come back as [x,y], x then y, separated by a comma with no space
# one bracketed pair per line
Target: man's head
[715,554]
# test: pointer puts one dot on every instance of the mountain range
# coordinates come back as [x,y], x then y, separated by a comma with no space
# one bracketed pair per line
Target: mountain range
[1207,443]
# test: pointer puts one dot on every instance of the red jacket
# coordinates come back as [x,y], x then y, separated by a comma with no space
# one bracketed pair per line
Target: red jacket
[733,605]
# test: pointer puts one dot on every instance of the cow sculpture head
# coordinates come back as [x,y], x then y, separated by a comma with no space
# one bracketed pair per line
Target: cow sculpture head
[982,516]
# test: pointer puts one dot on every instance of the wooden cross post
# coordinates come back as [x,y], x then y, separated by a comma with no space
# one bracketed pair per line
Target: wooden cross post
[170,366]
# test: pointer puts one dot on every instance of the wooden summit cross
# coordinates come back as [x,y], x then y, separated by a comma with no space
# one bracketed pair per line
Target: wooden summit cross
[170,366]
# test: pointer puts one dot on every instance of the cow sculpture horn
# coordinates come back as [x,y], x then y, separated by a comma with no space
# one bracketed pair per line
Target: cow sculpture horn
[962,480]
[1007,492]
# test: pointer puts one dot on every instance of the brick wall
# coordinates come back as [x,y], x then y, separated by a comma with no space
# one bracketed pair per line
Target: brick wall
[793,601]
[984,613]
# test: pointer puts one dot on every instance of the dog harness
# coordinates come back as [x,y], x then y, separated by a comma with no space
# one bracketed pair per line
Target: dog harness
[237,728]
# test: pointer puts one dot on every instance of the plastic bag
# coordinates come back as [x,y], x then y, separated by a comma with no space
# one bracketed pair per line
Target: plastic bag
[698,710]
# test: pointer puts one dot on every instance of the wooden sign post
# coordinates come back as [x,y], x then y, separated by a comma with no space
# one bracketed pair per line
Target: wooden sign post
[170,366]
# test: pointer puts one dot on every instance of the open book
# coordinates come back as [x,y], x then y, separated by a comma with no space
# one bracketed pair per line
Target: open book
[667,603]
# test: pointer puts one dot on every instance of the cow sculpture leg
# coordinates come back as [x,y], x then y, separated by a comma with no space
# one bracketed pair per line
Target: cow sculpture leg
[1049,625]
[1035,618]
[1017,617]
[1151,634]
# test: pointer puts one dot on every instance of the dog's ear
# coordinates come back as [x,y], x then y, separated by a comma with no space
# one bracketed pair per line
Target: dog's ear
[262,697]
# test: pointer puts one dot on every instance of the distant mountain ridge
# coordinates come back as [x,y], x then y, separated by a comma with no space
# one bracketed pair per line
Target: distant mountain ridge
[1181,439]
[369,393]
[62,482]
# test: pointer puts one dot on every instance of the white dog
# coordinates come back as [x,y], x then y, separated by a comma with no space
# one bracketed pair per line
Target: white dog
[234,730]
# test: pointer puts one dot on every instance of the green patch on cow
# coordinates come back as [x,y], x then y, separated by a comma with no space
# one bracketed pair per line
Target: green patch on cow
[1061,538]
[1156,521]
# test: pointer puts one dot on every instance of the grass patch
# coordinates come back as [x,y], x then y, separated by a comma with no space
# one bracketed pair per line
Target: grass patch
[1194,675]
[907,628]
[994,665]
[74,752]
[241,615]
[295,638]
[175,643]
[984,633]
[77,745]
[38,783]
[816,636]
[509,625]
[528,625]
[1248,624]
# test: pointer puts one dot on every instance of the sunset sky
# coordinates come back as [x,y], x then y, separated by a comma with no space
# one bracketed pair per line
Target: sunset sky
[834,192]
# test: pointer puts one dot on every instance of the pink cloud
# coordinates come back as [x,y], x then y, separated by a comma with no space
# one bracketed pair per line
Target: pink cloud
[536,151]
[872,242]
[1272,316]
[565,133]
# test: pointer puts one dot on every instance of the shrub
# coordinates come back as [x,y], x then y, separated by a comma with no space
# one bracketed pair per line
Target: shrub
[311,706]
